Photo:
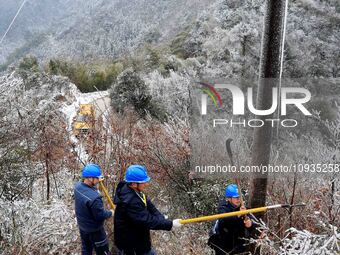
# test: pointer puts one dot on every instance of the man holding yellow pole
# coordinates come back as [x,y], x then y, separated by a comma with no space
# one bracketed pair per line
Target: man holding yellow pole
[90,212]
[228,233]
[135,215]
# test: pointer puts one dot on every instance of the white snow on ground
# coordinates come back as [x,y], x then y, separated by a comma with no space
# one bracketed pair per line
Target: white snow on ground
[81,152]
[307,243]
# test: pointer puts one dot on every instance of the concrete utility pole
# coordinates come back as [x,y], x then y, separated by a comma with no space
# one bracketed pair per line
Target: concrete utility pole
[269,68]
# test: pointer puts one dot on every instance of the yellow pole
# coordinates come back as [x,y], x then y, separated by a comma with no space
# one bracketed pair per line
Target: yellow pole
[223,215]
[106,193]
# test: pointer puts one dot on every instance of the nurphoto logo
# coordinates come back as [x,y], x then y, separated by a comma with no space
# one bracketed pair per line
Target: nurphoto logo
[287,97]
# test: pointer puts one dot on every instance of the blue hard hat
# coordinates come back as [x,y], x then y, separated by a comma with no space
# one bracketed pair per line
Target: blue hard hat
[91,170]
[231,191]
[136,173]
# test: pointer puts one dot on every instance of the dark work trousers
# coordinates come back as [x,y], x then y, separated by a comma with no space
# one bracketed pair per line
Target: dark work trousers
[94,240]
[151,252]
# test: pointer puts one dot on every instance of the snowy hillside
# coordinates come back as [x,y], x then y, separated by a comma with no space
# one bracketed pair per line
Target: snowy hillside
[225,36]
[105,29]
[32,110]
[144,59]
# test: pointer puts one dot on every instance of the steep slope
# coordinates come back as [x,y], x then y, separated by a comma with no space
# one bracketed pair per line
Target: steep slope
[35,19]
[100,29]
[119,27]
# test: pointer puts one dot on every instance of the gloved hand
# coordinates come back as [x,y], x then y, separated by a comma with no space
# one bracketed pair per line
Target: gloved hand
[242,208]
[113,212]
[176,223]
[247,222]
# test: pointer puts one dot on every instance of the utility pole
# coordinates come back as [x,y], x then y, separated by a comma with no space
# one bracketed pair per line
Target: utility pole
[268,78]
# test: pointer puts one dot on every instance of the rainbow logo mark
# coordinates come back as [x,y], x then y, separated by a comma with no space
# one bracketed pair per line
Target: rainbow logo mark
[212,93]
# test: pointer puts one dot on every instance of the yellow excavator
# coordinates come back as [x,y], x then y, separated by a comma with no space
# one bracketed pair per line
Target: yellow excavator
[84,121]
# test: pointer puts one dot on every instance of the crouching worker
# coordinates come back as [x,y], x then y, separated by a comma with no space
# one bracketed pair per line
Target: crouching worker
[227,235]
[90,212]
[135,215]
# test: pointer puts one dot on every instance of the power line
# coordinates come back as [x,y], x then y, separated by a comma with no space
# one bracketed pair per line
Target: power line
[10,25]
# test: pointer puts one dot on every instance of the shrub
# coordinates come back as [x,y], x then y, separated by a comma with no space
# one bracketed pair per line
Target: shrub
[86,79]
[131,90]
[29,63]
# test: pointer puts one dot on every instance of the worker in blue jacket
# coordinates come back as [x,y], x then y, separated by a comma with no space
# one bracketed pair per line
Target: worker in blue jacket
[135,215]
[90,212]
[229,233]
